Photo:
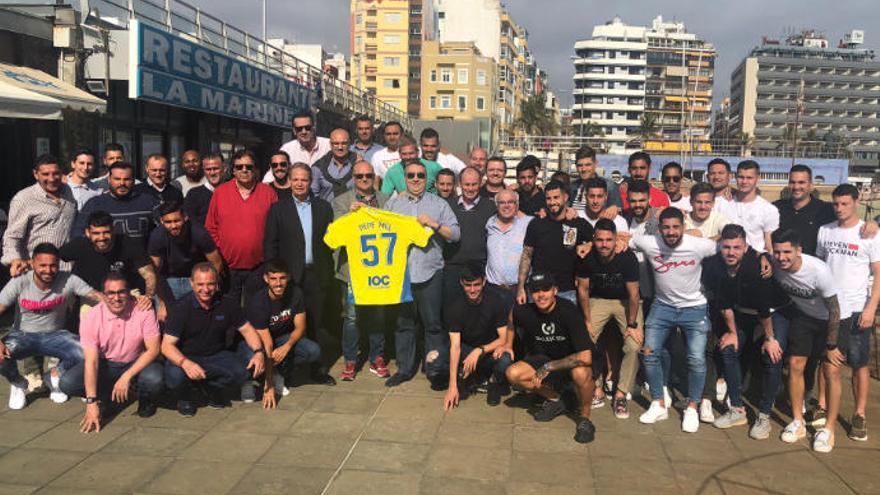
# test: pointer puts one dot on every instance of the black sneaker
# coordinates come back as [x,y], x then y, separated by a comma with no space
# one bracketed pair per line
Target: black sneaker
[322,378]
[186,408]
[146,408]
[439,382]
[215,398]
[396,379]
[493,394]
[585,432]
[549,410]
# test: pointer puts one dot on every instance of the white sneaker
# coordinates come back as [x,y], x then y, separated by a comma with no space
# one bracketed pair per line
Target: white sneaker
[654,413]
[55,393]
[18,395]
[690,422]
[280,388]
[706,413]
[793,432]
[823,441]
[667,397]
[720,390]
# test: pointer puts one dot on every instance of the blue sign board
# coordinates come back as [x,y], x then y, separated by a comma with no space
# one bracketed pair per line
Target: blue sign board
[168,69]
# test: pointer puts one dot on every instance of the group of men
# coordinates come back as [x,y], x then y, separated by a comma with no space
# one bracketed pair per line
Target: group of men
[201,284]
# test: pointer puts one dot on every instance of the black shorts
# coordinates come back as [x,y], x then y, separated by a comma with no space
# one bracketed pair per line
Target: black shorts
[807,336]
[556,379]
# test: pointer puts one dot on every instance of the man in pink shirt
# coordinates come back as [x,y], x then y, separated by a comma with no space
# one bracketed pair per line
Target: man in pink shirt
[121,344]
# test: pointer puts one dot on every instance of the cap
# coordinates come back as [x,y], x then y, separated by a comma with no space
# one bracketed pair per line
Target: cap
[541,280]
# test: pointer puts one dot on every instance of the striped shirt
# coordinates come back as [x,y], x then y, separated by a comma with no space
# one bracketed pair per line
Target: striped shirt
[35,217]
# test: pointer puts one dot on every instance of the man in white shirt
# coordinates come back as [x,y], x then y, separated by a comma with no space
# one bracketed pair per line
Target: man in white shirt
[306,147]
[704,220]
[718,176]
[813,326]
[389,155]
[671,176]
[191,163]
[80,177]
[852,261]
[676,261]
[596,207]
[429,142]
[757,215]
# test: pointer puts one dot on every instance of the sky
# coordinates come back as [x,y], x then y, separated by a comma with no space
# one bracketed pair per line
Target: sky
[734,27]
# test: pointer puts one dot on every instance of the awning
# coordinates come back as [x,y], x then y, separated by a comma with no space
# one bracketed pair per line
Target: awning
[32,94]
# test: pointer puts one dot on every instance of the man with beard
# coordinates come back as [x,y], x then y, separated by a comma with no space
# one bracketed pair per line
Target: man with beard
[279,166]
[113,152]
[389,155]
[131,210]
[196,203]
[192,172]
[639,166]
[531,198]
[586,163]
[671,176]
[747,208]
[642,221]
[676,262]
[157,181]
[429,141]
[554,243]
[364,146]
[478,158]
[718,175]
[394,180]
[445,184]
[332,174]
[306,147]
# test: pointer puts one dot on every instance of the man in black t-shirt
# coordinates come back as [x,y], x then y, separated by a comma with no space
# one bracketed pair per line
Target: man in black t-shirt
[556,342]
[101,252]
[554,244]
[531,198]
[608,289]
[176,246]
[478,331]
[198,333]
[278,315]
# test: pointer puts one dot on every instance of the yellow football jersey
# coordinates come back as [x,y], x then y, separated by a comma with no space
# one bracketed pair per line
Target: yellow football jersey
[377,243]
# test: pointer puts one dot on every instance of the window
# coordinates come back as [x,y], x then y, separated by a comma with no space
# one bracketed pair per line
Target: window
[446,101]
[391,83]
[462,76]
[392,16]
[432,102]
[391,39]
[371,13]
[446,75]
[358,40]
[481,103]
[359,19]
[391,61]
[481,77]
[433,75]
[462,102]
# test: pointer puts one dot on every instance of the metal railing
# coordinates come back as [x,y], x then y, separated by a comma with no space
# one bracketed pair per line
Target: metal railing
[188,21]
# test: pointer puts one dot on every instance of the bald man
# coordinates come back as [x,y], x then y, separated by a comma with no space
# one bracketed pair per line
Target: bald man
[478,159]
[191,163]
[332,174]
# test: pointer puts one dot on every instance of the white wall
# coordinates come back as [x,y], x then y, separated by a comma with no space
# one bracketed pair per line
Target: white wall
[478,21]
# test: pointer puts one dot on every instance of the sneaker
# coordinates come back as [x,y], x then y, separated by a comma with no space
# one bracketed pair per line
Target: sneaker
[585,432]
[493,394]
[186,408]
[823,441]
[146,408]
[609,386]
[215,398]
[818,417]
[248,392]
[621,410]
[55,393]
[793,432]
[322,378]
[18,395]
[549,410]
[396,379]
[597,402]
[690,421]
[761,429]
[720,390]
[349,371]
[733,417]
[667,397]
[858,430]
[379,368]
[439,382]
[707,415]
[654,413]
[280,388]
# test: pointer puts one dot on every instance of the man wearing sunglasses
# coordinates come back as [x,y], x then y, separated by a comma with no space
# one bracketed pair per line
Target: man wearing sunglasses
[394,179]
[305,146]
[332,174]
[279,167]
[672,175]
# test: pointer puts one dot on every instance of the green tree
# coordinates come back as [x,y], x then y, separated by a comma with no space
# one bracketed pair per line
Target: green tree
[535,119]
[648,127]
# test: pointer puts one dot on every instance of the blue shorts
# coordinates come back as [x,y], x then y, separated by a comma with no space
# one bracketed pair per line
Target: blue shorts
[854,342]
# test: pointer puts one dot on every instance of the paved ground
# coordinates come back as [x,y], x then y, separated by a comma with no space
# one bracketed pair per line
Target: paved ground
[363,438]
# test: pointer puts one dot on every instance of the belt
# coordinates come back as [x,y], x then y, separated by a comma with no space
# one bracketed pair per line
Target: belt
[506,286]
[749,311]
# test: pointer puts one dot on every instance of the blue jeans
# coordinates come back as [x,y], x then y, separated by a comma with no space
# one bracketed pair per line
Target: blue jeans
[304,351]
[222,369]
[771,376]
[59,344]
[180,287]
[694,323]
[427,306]
[485,365]
[372,320]
[150,382]
[855,342]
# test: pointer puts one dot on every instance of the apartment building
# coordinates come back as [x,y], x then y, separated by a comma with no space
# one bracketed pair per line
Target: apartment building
[458,82]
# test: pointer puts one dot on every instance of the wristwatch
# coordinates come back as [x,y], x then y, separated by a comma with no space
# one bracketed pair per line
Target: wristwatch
[259,351]
[91,400]
[632,325]
[830,347]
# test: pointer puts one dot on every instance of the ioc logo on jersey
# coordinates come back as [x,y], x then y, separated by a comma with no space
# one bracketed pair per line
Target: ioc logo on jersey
[379,281]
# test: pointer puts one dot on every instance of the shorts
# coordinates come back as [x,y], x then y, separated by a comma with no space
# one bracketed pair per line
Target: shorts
[854,342]
[807,336]
[556,379]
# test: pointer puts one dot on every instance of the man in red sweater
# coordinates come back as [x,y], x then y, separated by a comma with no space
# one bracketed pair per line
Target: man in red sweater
[237,220]
[640,169]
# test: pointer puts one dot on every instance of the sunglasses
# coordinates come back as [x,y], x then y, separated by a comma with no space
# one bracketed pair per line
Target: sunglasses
[364,176]
[669,178]
[415,175]
[301,128]
[243,167]
[279,164]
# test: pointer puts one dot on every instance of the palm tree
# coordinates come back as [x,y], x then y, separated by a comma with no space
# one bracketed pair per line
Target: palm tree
[746,141]
[590,129]
[648,127]
[535,119]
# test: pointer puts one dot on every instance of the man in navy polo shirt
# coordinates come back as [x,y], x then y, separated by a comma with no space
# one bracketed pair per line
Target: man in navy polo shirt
[198,333]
